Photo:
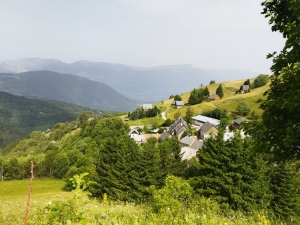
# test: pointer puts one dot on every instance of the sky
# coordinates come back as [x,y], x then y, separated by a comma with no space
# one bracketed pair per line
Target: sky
[217,34]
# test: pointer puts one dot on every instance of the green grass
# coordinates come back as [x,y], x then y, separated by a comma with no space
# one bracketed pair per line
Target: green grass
[51,205]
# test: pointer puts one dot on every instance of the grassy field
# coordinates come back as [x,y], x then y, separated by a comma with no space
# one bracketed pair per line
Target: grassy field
[14,194]
[51,205]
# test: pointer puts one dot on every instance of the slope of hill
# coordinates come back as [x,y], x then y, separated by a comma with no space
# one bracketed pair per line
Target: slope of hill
[67,88]
[230,100]
[19,116]
[145,85]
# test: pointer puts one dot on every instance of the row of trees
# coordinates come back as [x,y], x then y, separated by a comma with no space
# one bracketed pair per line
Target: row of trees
[140,113]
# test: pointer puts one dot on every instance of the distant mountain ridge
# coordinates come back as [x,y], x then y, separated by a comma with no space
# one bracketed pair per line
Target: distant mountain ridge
[67,88]
[142,84]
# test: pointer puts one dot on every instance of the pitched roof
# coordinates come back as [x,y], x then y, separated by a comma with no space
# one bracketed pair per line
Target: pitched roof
[164,135]
[133,131]
[188,153]
[177,126]
[178,103]
[239,120]
[205,119]
[206,127]
[188,140]
[197,144]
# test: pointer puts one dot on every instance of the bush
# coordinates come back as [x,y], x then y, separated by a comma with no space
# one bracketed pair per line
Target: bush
[260,80]
[243,108]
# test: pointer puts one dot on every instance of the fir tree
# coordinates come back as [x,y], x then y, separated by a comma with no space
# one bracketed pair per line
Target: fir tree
[284,185]
[230,174]
[170,159]
[206,92]
[219,91]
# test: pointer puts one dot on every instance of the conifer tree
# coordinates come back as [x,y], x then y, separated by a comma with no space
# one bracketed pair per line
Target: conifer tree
[230,174]
[170,159]
[148,166]
[194,98]
[284,186]
[206,92]
[219,91]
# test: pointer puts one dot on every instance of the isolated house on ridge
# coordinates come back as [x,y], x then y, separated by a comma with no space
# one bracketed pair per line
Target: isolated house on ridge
[177,104]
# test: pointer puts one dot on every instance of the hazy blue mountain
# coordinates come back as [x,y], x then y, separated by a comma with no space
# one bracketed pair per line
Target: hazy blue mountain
[145,85]
[67,88]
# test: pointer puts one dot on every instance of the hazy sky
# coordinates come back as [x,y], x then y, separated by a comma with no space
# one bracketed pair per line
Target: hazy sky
[216,34]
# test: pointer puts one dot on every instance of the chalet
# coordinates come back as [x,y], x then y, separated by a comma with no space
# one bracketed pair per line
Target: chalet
[177,104]
[175,130]
[147,106]
[200,120]
[245,88]
[213,97]
[205,130]
[135,134]
[237,123]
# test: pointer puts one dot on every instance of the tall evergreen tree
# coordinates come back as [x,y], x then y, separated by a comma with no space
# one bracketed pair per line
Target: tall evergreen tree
[170,159]
[148,166]
[206,92]
[219,91]
[194,98]
[229,173]
[284,185]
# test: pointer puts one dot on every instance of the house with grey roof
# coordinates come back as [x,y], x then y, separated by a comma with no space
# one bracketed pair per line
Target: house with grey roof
[177,104]
[237,123]
[175,130]
[213,97]
[205,130]
[199,120]
[244,88]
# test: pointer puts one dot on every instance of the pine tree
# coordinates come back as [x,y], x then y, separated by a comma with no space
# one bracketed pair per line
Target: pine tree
[170,159]
[284,185]
[194,98]
[206,92]
[230,174]
[148,166]
[219,91]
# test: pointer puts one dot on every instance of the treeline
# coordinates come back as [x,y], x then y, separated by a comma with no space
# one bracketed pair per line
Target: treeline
[140,113]
[226,171]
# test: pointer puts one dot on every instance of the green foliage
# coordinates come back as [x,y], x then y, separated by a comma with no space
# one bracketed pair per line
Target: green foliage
[206,92]
[167,122]
[173,198]
[171,96]
[196,96]
[177,115]
[231,174]
[216,113]
[140,113]
[243,108]
[260,80]
[279,130]
[177,98]
[284,185]
[219,91]
[188,116]
[284,17]
[212,82]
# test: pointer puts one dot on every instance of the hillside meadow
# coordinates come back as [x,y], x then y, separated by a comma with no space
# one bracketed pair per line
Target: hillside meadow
[230,102]
[50,205]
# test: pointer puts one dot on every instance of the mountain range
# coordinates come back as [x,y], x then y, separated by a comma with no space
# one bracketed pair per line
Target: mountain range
[66,88]
[143,85]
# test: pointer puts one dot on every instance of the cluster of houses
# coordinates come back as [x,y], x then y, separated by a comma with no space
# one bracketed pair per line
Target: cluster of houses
[205,126]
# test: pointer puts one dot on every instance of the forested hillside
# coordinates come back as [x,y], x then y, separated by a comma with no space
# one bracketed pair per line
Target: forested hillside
[19,116]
